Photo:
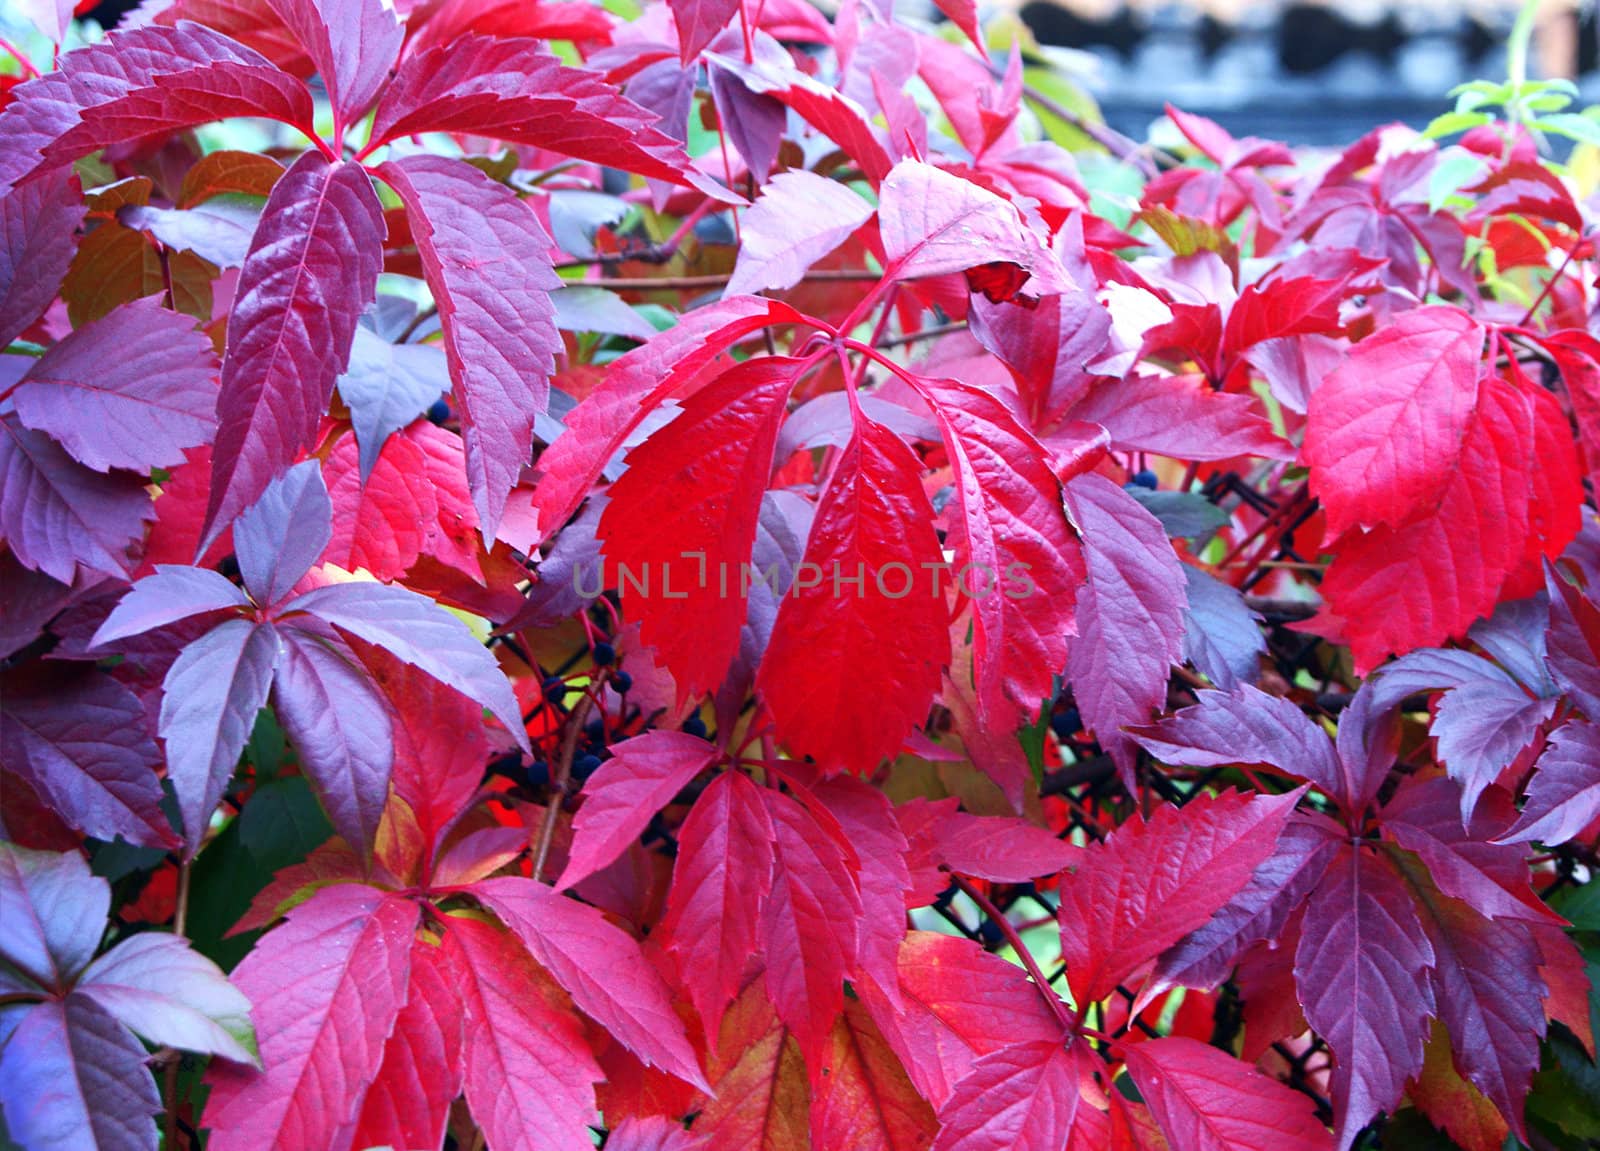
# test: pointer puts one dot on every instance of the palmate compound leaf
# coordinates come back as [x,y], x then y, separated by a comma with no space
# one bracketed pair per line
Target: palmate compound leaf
[1027,1096]
[799,218]
[140,82]
[1206,1100]
[325,989]
[131,390]
[313,267]
[683,519]
[72,1074]
[1386,430]
[625,792]
[1361,969]
[720,885]
[487,261]
[868,616]
[1150,884]
[1016,554]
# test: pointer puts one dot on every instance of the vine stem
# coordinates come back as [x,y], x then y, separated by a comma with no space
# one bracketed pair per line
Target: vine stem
[997,917]
[1549,285]
[180,923]
[562,772]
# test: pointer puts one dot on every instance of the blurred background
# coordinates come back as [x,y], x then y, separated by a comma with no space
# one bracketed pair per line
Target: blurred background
[1317,72]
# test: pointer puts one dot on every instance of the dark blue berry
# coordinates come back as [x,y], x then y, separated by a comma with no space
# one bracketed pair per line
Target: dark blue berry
[622,681]
[604,654]
[584,766]
[695,726]
[509,766]
[989,932]
[438,412]
[538,774]
[555,689]
[1146,479]
[1066,723]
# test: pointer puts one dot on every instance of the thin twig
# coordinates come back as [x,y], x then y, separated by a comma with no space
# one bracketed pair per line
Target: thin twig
[717,280]
[561,772]
[922,334]
[180,923]
[997,917]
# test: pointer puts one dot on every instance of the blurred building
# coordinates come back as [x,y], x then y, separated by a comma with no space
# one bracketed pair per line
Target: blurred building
[1306,71]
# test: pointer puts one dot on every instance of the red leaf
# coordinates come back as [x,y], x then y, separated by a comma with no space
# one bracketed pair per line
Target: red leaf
[312,269]
[863,1100]
[1206,1100]
[959,1003]
[1000,849]
[529,1075]
[636,385]
[1361,973]
[1395,589]
[685,513]
[720,885]
[1013,529]
[810,923]
[1180,416]
[420,1076]
[1024,1096]
[39,223]
[1150,884]
[699,22]
[326,987]
[600,965]
[381,523]
[1388,432]
[762,1101]
[621,797]
[868,821]
[828,642]
[487,261]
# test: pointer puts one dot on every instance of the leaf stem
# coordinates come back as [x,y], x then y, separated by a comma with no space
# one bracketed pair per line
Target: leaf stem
[997,917]
[1549,285]
[180,923]
[688,283]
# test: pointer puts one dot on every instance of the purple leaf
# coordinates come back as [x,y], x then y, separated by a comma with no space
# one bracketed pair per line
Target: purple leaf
[387,386]
[600,965]
[417,631]
[54,911]
[38,237]
[339,726]
[131,390]
[1514,636]
[1463,860]
[1179,416]
[173,593]
[83,742]
[487,260]
[352,43]
[1130,614]
[1361,973]
[1247,726]
[753,120]
[1368,742]
[1206,957]
[209,702]
[1564,796]
[1574,643]
[218,231]
[699,22]
[284,532]
[74,1079]
[141,82]
[312,270]
[620,799]
[57,516]
[581,309]
[1221,636]
[158,987]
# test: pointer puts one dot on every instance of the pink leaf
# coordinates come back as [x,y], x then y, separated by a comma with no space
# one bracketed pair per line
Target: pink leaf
[799,218]
[352,43]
